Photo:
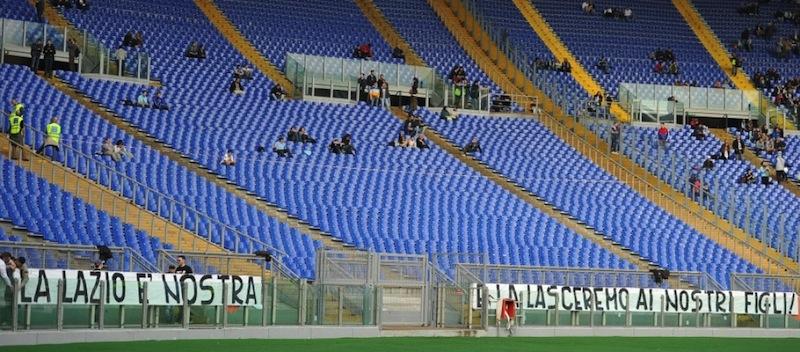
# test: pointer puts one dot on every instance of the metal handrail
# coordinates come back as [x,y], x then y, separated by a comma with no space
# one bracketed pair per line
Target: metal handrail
[134,257]
[171,202]
[276,264]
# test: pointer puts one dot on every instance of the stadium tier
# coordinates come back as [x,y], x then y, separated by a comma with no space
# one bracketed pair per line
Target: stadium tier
[729,24]
[529,154]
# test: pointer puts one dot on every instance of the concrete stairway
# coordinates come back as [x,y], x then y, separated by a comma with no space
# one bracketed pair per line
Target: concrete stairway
[624,169]
[389,34]
[561,52]
[238,40]
[721,55]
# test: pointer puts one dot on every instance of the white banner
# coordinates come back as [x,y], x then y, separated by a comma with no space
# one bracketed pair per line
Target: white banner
[621,299]
[126,288]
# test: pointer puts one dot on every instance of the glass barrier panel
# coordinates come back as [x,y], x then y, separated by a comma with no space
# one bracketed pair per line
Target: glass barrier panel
[57,36]
[646,91]
[662,92]
[13,32]
[734,100]
[649,110]
[352,69]
[332,68]
[288,299]
[682,94]
[389,72]
[698,98]
[33,33]
[716,98]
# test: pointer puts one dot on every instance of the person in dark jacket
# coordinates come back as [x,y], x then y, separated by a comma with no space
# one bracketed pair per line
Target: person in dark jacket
[49,52]
[36,54]
[473,146]
[73,52]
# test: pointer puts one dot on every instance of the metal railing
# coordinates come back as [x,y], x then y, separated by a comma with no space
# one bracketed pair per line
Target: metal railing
[677,170]
[515,274]
[226,263]
[67,256]
[197,226]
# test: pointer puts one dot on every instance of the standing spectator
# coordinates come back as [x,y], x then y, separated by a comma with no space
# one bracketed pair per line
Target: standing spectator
[615,133]
[40,10]
[725,151]
[663,136]
[780,167]
[127,40]
[398,53]
[16,131]
[738,148]
[36,54]
[5,257]
[473,146]
[73,52]
[362,87]
[371,79]
[385,97]
[474,94]
[49,52]
[413,92]
[280,148]
[228,158]
[53,137]
[121,56]
[183,268]
[764,174]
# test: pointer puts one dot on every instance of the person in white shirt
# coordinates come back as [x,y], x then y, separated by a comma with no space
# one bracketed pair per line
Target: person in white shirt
[4,259]
[228,159]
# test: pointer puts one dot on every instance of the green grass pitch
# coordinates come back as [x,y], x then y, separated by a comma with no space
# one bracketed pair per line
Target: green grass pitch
[438,344]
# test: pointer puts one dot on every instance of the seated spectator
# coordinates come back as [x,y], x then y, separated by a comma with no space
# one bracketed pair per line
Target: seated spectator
[473,146]
[400,142]
[658,67]
[587,7]
[304,137]
[446,115]
[769,145]
[780,145]
[747,178]
[122,150]
[195,51]
[280,148]
[627,14]
[608,12]
[698,133]
[138,40]
[128,40]
[228,159]
[236,87]
[708,164]
[365,51]
[143,100]
[277,93]
[398,53]
[238,72]
[82,5]
[335,147]
[293,135]
[247,72]
[673,68]
[566,67]
[159,102]
[347,145]
[107,149]
[603,65]
[422,142]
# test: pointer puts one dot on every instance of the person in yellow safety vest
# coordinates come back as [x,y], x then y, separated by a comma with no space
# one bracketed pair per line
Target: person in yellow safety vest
[53,136]
[16,131]
[16,108]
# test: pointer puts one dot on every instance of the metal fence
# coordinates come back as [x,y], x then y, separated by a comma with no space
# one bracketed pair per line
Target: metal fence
[172,221]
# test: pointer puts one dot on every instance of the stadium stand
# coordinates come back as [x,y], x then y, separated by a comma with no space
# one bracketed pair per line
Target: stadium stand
[764,55]
[566,179]
[85,131]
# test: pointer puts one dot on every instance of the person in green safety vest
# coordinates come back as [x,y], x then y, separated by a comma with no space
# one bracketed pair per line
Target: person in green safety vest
[16,131]
[52,136]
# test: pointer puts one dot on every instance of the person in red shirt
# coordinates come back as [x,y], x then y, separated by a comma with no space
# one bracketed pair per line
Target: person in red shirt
[663,135]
